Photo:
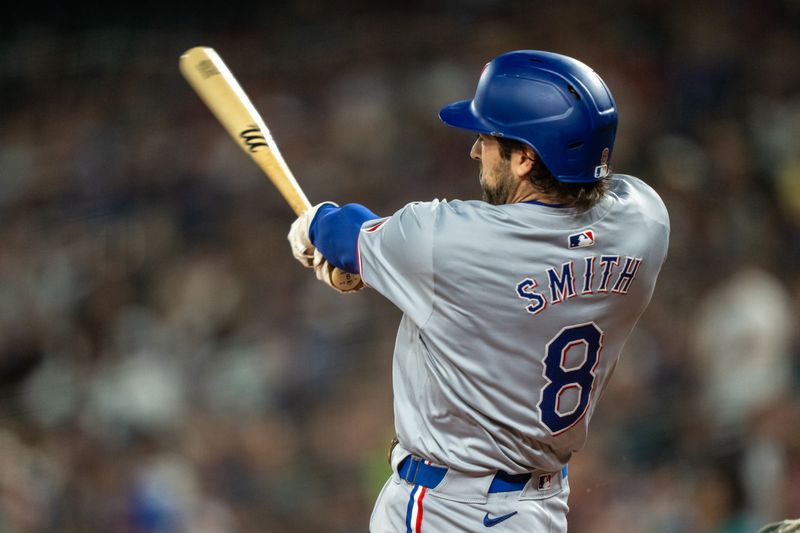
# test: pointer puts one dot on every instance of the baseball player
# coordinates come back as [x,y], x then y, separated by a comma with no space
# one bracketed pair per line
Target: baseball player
[515,308]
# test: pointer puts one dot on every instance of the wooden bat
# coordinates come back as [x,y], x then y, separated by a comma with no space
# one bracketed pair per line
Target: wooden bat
[209,76]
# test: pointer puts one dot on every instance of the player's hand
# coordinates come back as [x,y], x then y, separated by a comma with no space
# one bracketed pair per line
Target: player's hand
[302,249]
[325,273]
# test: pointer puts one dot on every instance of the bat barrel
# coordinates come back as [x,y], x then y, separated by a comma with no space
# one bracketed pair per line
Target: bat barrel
[217,87]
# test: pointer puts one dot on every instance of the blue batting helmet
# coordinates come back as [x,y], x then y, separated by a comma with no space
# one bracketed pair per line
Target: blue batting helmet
[555,104]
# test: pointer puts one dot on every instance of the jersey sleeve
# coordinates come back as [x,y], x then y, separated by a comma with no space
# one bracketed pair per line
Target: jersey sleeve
[396,258]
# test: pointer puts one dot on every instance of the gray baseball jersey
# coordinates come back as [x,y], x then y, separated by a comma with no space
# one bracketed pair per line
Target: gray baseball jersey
[514,319]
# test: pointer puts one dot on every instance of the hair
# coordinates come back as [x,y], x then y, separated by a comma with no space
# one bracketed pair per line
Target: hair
[581,196]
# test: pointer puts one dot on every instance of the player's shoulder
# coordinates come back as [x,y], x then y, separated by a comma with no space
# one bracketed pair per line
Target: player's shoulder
[440,207]
[441,213]
[418,210]
[639,195]
[627,186]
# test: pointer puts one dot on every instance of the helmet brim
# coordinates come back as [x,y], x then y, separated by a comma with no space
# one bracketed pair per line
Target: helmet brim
[461,115]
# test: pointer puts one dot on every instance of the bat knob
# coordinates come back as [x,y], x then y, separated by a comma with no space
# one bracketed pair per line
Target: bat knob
[346,281]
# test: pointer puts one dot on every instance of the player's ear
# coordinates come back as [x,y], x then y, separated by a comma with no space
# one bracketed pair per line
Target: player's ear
[523,161]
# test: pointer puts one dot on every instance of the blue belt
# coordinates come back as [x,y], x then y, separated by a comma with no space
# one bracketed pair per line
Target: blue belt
[414,470]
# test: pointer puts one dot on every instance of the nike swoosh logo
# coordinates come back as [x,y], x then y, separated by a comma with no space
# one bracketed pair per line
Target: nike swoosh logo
[489,522]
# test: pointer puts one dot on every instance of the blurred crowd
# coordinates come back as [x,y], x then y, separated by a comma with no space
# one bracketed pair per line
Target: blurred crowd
[167,367]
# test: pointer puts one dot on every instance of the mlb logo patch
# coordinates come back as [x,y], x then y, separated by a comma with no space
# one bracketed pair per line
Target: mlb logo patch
[582,239]
[545,481]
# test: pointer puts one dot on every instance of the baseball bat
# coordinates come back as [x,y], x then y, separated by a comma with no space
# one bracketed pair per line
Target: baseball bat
[208,75]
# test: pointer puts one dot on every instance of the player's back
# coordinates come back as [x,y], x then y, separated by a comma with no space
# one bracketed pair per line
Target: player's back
[531,307]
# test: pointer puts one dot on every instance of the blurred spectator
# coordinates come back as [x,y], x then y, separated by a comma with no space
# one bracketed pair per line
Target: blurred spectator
[744,333]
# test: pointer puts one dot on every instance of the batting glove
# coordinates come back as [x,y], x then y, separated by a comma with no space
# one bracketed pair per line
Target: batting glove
[302,249]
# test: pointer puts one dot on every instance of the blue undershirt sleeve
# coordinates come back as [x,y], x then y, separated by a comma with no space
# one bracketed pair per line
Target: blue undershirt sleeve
[334,232]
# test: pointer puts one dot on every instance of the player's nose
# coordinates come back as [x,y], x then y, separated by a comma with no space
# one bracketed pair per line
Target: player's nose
[475,152]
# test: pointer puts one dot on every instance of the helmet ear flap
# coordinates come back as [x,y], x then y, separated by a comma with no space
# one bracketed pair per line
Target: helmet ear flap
[553,103]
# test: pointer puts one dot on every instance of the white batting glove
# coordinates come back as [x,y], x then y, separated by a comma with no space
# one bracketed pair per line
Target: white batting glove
[324,271]
[302,249]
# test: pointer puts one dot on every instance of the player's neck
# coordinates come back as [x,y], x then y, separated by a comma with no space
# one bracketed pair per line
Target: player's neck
[525,192]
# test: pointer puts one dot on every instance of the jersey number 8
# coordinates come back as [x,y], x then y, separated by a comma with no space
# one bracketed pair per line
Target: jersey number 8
[587,338]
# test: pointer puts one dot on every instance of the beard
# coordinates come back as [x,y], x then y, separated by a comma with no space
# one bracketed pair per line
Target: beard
[504,184]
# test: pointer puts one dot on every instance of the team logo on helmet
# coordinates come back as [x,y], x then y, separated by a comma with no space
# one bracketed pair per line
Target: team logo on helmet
[601,170]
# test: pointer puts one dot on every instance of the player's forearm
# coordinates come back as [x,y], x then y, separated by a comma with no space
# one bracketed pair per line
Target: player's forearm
[334,232]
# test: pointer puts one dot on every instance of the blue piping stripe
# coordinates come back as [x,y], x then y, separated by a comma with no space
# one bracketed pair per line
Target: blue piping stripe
[410,509]
[537,202]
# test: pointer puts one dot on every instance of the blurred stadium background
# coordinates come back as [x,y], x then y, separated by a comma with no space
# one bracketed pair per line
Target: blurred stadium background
[166,366]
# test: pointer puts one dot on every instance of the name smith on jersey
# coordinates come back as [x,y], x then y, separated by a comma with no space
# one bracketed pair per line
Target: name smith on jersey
[596,278]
